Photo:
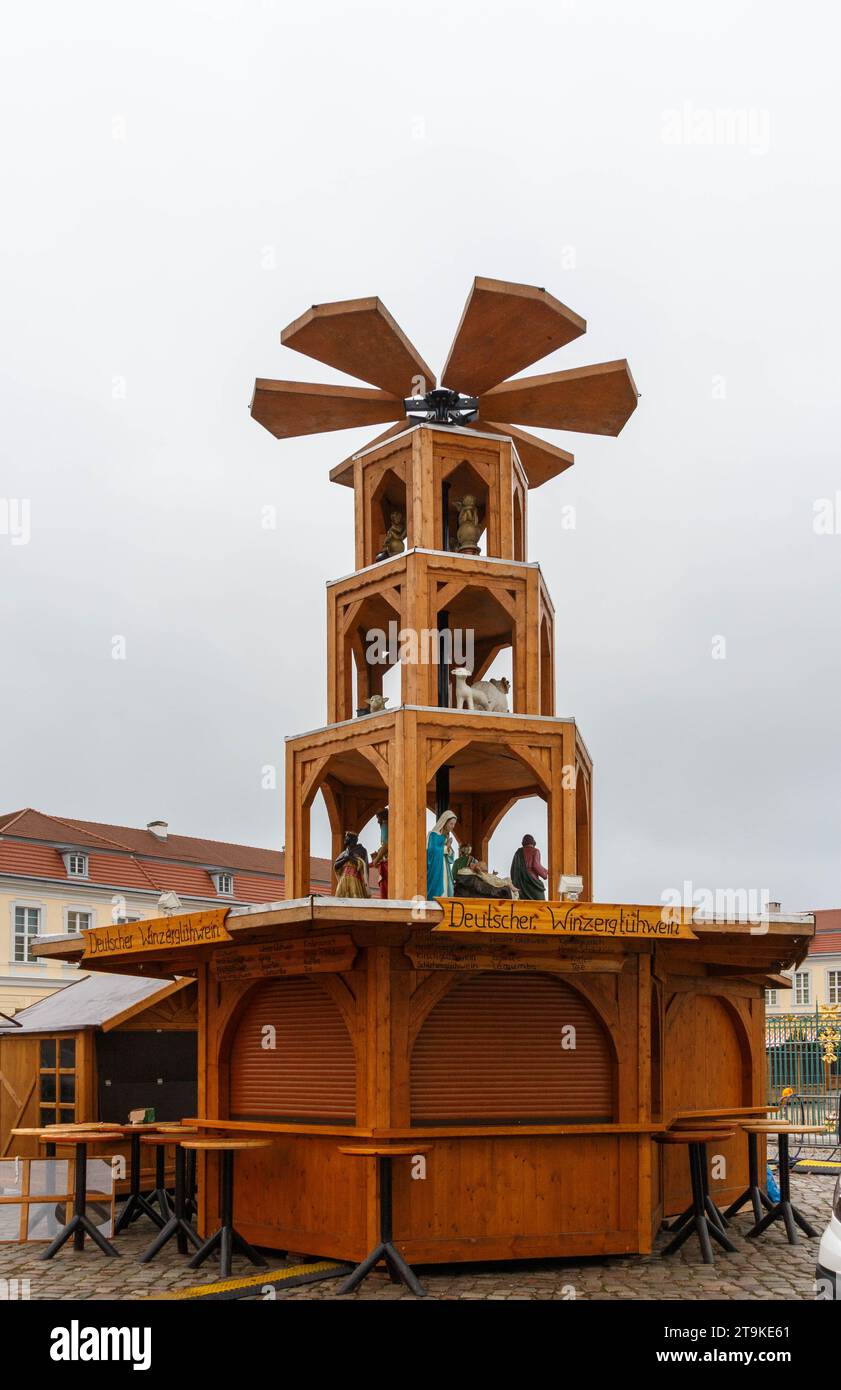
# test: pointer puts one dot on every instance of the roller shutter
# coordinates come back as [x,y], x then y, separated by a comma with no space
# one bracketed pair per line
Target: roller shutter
[492,1049]
[311,1072]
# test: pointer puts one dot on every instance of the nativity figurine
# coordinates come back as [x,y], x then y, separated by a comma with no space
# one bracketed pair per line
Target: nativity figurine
[394,537]
[527,872]
[379,859]
[440,857]
[351,869]
[469,526]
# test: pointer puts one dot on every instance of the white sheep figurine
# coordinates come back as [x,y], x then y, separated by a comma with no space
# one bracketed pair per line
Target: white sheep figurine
[491,696]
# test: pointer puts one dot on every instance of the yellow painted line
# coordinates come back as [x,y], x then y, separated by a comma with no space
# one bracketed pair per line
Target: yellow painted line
[249,1281]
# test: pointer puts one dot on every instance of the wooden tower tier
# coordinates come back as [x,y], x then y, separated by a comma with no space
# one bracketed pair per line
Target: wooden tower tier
[422,472]
[392,759]
[487,606]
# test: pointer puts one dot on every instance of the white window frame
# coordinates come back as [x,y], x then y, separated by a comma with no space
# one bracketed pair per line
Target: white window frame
[68,858]
[26,905]
[771,998]
[221,878]
[833,986]
[802,987]
[76,931]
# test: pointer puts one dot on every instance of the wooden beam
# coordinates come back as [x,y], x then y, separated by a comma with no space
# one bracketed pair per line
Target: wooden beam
[593,400]
[359,336]
[291,408]
[505,327]
[173,987]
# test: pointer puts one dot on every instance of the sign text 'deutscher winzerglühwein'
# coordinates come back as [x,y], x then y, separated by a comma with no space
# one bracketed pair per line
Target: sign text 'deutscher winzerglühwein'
[520,917]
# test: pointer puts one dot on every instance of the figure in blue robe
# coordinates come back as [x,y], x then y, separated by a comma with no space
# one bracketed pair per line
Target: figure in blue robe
[440,857]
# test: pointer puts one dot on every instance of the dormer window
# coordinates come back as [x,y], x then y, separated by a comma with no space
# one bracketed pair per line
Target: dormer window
[224,884]
[76,864]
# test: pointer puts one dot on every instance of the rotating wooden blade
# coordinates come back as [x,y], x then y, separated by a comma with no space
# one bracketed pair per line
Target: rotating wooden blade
[359,336]
[288,408]
[541,461]
[592,400]
[504,328]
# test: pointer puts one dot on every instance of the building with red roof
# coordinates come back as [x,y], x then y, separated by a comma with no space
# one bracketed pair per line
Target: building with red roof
[60,875]
[818,979]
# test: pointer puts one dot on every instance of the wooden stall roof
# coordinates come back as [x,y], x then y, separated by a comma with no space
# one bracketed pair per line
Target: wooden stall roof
[723,945]
[94,1001]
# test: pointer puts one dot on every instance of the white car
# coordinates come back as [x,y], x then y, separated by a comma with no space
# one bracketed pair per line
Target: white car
[828,1273]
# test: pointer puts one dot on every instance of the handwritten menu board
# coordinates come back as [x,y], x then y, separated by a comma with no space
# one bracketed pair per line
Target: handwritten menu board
[451,955]
[301,956]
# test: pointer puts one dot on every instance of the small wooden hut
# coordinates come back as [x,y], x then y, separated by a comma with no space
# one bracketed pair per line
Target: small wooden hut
[94,1050]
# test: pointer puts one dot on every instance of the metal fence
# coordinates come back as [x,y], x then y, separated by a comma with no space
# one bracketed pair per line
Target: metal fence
[803,1053]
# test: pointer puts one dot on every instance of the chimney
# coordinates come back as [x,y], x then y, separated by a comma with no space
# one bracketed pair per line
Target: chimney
[772,907]
[158,828]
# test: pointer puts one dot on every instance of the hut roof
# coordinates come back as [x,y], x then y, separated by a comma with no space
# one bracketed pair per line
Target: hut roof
[86,1003]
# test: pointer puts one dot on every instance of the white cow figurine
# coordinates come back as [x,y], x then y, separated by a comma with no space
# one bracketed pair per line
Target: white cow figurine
[491,695]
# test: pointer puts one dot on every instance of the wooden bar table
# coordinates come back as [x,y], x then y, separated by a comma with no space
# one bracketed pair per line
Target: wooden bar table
[80,1223]
[178,1224]
[727,1112]
[724,1128]
[784,1210]
[700,1220]
[227,1238]
[136,1205]
[385,1249]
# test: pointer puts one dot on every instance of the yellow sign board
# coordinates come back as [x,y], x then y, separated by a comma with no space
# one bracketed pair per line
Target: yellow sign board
[603,921]
[158,934]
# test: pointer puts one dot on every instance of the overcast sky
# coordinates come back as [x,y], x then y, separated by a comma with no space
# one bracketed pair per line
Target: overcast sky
[180,180]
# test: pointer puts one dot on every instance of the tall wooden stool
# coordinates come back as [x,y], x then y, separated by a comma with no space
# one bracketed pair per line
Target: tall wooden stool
[227,1238]
[713,1212]
[784,1210]
[385,1250]
[178,1224]
[137,1204]
[191,1207]
[700,1221]
[80,1223]
[160,1194]
[754,1192]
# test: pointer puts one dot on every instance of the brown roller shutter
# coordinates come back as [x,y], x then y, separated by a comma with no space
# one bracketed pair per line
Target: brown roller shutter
[492,1049]
[310,1074]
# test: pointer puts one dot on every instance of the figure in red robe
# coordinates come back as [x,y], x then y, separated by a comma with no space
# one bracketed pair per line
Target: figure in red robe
[527,870]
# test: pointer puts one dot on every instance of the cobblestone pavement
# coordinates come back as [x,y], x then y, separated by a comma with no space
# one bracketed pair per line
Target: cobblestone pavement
[767,1268]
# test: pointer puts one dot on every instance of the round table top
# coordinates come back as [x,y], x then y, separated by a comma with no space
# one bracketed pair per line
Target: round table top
[678,1126]
[781,1127]
[63,1134]
[79,1124]
[223,1144]
[384,1150]
[727,1112]
[177,1129]
[83,1136]
[692,1136]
